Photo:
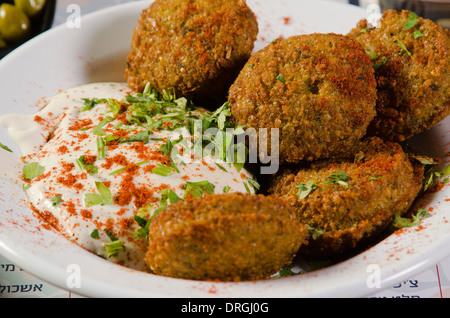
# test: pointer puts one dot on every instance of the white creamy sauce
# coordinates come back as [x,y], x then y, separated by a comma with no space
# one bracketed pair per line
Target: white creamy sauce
[60,133]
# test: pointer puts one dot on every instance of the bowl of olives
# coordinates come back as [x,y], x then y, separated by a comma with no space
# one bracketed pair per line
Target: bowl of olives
[21,20]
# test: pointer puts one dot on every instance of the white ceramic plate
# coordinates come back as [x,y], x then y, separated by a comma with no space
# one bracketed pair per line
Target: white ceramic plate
[64,57]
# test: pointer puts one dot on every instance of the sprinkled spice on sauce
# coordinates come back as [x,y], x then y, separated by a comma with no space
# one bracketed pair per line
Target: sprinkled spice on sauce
[108,157]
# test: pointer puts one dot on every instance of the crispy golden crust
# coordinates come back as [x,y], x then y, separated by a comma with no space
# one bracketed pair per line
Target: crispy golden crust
[193,48]
[382,182]
[323,102]
[413,88]
[225,237]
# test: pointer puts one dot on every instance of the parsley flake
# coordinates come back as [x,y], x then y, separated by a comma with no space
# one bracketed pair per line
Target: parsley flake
[113,248]
[417,34]
[400,222]
[163,170]
[197,189]
[315,233]
[338,178]
[281,78]
[104,198]
[32,170]
[403,47]
[5,147]
[90,169]
[411,21]
[95,234]
[56,200]
[304,189]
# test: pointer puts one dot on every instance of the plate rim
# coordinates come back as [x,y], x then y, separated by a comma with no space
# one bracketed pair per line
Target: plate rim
[357,287]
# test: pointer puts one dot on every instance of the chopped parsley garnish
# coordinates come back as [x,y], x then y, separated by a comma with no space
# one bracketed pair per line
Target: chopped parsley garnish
[90,169]
[104,198]
[255,185]
[430,172]
[140,220]
[221,167]
[95,234]
[400,222]
[197,189]
[304,189]
[430,179]
[5,147]
[56,200]
[281,78]
[403,47]
[98,130]
[373,55]
[226,189]
[425,160]
[411,21]
[124,168]
[359,157]
[315,233]
[338,178]
[167,147]
[217,119]
[111,236]
[163,170]
[247,187]
[446,171]
[32,170]
[143,223]
[113,248]
[114,106]
[156,111]
[417,34]
[379,64]
[90,103]
[286,271]
[100,148]
[168,196]
[142,136]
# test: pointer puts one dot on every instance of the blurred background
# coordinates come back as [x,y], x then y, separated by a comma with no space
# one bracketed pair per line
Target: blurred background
[437,10]
[21,20]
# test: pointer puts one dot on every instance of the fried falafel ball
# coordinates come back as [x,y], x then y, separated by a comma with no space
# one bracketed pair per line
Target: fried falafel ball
[319,90]
[346,202]
[411,57]
[193,48]
[224,237]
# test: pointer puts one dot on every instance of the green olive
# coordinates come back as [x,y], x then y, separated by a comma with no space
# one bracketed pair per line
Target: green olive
[14,23]
[30,7]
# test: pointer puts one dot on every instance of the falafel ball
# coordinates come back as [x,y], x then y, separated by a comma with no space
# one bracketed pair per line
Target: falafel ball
[193,48]
[224,237]
[319,90]
[349,200]
[412,61]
